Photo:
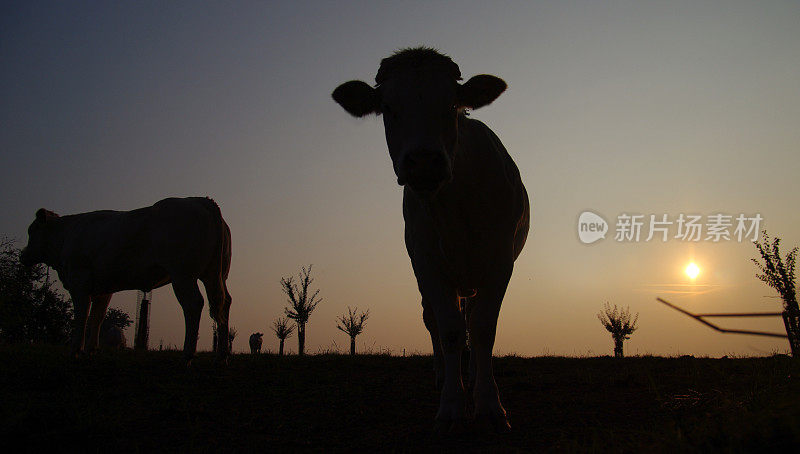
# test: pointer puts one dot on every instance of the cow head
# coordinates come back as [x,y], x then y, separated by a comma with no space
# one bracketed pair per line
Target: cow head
[420,98]
[37,250]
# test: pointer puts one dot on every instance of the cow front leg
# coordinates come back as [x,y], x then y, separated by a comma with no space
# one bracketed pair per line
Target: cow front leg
[80,302]
[429,317]
[97,314]
[482,330]
[190,299]
[223,342]
[452,334]
[469,303]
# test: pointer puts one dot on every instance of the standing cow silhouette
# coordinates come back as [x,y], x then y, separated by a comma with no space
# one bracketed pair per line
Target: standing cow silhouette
[466,211]
[255,342]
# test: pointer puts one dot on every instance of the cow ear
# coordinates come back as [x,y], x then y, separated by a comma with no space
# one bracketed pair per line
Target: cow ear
[357,98]
[480,91]
[44,215]
[41,215]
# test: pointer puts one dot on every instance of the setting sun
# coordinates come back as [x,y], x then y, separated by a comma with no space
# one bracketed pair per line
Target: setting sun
[692,270]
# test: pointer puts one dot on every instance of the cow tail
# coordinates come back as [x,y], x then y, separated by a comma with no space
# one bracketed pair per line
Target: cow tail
[221,266]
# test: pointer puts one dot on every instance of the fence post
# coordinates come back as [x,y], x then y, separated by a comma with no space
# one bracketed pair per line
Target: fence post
[142,338]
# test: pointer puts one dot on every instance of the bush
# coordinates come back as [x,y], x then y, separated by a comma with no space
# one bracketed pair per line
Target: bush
[31,309]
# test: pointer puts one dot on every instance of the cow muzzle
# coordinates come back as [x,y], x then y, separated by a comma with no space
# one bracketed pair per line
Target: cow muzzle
[25,258]
[425,170]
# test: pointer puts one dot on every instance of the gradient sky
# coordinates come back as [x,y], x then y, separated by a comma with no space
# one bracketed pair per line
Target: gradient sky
[616,107]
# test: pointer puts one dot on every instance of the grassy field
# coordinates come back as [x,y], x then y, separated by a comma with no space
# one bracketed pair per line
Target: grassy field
[130,401]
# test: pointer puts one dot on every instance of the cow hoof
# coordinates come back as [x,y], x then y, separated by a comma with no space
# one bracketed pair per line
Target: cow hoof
[451,427]
[438,383]
[222,361]
[441,427]
[469,385]
[497,423]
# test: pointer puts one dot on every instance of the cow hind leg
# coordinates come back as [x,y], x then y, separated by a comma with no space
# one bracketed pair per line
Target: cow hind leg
[191,301]
[482,328]
[219,299]
[96,316]
[429,318]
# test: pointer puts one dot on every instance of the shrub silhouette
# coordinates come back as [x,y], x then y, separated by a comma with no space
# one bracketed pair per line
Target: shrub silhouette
[778,273]
[352,324]
[116,318]
[302,303]
[112,329]
[31,309]
[775,272]
[617,321]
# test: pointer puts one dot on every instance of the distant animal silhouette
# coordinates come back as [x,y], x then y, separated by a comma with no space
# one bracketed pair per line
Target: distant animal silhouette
[466,210]
[112,338]
[174,241]
[255,342]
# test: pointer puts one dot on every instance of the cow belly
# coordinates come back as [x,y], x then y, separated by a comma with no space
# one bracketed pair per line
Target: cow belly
[152,277]
[465,259]
[468,273]
[146,279]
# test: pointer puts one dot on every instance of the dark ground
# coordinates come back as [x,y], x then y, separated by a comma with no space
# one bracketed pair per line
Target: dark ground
[130,401]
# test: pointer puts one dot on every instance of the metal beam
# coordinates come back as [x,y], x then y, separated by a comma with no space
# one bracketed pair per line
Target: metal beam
[699,318]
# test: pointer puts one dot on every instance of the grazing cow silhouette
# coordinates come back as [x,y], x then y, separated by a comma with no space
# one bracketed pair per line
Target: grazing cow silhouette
[174,241]
[466,210]
[255,342]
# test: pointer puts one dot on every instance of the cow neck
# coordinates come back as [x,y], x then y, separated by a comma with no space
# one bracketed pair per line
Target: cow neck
[455,197]
[55,241]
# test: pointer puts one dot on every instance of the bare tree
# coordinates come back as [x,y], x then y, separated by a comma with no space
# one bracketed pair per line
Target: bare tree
[617,321]
[352,324]
[778,273]
[283,330]
[302,302]
[231,336]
